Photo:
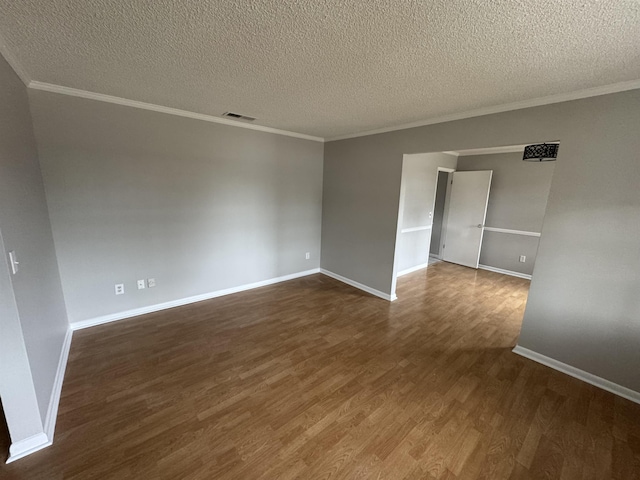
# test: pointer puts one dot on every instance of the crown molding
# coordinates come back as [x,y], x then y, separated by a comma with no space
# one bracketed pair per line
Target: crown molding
[13,62]
[74,92]
[507,107]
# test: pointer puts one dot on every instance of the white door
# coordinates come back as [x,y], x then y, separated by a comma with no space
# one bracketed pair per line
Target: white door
[467,213]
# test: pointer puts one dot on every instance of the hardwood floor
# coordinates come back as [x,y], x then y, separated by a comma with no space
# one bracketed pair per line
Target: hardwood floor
[313,379]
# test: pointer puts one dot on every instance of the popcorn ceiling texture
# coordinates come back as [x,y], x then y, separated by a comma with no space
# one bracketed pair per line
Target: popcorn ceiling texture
[326,67]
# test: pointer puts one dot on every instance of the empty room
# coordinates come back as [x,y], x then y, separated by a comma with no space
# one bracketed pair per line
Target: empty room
[316,240]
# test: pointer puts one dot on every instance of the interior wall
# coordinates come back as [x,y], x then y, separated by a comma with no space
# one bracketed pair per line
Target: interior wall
[583,306]
[34,321]
[199,206]
[419,180]
[517,201]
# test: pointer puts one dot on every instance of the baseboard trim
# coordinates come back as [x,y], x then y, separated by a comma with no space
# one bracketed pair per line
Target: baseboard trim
[29,445]
[92,322]
[574,372]
[412,269]
[359,285]
[54,402]
[505,272]
[433,255]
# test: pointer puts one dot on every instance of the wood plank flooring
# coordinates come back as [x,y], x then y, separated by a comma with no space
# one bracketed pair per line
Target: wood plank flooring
[313,379]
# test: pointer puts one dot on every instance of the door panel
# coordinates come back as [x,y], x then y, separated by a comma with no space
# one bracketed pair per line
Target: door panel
[467,213]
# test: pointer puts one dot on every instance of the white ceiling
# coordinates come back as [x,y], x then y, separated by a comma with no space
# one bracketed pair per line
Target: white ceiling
[326,68]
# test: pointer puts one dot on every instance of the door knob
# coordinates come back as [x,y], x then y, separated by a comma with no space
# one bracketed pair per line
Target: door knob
[480,225]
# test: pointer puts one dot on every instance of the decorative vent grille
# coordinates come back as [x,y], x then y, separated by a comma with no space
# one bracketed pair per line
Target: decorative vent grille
[237,116]
[542,152]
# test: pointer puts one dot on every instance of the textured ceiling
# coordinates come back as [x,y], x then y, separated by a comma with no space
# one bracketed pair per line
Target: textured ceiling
[326,67]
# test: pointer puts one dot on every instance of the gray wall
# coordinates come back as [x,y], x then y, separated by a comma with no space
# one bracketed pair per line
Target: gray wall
[438,213]
[517,201]
[198,206]
[583,306]
[36,290]
[419,178]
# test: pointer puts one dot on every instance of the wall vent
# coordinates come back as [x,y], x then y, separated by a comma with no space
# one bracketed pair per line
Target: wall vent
[237,116]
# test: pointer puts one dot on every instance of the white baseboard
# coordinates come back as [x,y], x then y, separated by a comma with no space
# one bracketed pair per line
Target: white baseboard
[52,412]
[185,301]
[28,446]
[42,440]
[412,269]
[599,382]
[433,255]
[505,272]
[359,285]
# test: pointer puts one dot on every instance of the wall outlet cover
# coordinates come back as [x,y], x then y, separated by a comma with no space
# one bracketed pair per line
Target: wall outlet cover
[523,258]
[307,255]
[151,282]
[141,284]
[119,288]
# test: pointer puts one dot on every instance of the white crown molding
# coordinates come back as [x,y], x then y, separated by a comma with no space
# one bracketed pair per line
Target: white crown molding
[92,322]
[505,272]
[534,102]
[574,372]
[359,286]
[13,62]
[74,92]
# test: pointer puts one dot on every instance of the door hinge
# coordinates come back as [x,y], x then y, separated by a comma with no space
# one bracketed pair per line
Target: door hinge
[443,245]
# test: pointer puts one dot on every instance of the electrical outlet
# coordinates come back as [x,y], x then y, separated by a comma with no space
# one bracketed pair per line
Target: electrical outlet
[307,255]
[151,282]
[119,288]
[141,284]
[523,258]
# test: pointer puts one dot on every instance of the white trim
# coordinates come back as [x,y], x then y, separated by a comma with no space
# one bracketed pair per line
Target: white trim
[74,92]
[492,150]
[359,285]
[446,169]
[415,229]
[574,372]
[433,255]
[512,232]
[28,446]
[413,269]
[506,107]
[13,62]
[185,301]
[504,272]
[54,402]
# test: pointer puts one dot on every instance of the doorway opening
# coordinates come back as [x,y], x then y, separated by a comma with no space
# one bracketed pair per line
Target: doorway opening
[480,208]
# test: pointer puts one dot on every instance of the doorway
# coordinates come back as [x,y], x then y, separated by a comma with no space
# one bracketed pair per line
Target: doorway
[506,237]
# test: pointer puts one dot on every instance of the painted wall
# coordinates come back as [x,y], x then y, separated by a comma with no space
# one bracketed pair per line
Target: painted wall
[34,321]
[517,201]
[198,206]
[419,179]
[583,306]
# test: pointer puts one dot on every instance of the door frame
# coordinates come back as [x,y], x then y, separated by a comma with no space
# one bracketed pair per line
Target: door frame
[443,228]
